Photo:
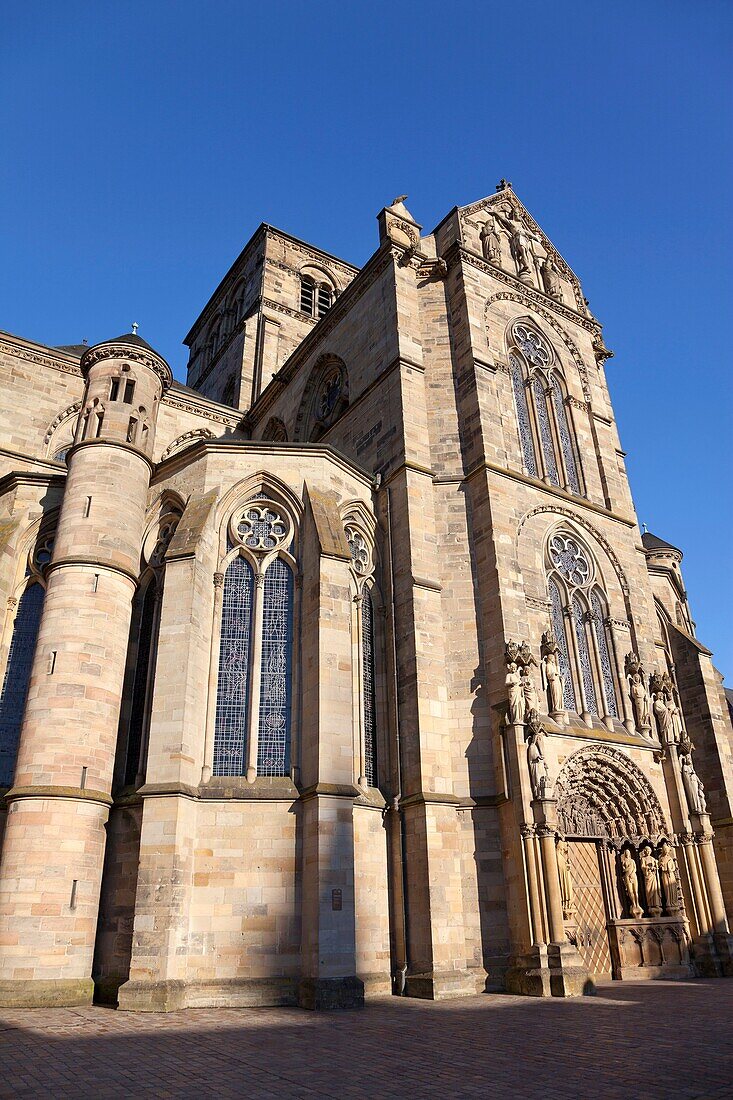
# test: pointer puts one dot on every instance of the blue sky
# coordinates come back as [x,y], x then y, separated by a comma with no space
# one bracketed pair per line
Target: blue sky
[144,142]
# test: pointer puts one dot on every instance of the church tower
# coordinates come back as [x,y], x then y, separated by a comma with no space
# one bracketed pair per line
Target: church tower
[53,854]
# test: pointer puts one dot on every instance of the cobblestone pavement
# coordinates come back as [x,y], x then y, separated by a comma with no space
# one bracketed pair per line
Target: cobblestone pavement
[644,1039]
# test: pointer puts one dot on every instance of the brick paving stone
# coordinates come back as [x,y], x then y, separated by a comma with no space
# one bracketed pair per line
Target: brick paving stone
[635,1040]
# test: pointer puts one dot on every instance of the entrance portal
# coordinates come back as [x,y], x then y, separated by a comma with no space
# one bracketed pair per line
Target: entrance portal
[590,933]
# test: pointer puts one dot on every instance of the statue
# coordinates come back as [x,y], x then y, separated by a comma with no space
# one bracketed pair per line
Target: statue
[520,239]
[551,279]
[631,883]
[660,708]
[515,713]
[637,692]
[531,703]
[650,870]
[538,777]
[552,678]
[490,242]
[692,783]
[566,879]
[676,727]
[669,879]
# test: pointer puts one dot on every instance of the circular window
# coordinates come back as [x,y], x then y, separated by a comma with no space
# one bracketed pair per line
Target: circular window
[570,559]
[532,345]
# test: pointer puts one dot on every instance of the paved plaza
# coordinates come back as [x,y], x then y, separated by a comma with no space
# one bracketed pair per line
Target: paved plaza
[646,1039]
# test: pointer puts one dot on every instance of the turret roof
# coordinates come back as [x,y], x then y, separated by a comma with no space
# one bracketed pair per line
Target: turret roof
[652,542]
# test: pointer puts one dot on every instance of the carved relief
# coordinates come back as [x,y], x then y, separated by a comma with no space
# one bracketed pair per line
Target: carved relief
[601,792]
[521,692]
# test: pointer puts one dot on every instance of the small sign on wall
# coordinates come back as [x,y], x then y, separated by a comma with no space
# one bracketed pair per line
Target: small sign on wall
[337,900]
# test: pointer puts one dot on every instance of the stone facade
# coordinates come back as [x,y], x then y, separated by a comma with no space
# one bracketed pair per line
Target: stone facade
[347,668]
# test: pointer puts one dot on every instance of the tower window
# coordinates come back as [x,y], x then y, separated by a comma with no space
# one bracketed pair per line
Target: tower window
[307,295]
[114,389]
[315,298]
[129,391]
[325,300]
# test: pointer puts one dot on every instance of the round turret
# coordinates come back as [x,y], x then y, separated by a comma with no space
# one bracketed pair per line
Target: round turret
[125,380]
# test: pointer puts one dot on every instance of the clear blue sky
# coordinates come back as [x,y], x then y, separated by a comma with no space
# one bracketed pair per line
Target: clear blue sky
[142,143]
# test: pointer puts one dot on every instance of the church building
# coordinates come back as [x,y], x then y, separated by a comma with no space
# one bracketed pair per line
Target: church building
[345,668]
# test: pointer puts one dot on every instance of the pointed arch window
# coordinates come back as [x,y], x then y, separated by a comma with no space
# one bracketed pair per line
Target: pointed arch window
[362,565]
[17,675]
[252,721]
[546,434]
[580,624]
[143,647]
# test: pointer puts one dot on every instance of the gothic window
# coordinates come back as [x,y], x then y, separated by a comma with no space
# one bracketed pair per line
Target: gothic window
[523,422]
[143,646]
[234,660]
[578,610]
[275,431]
[364,628]
[307,295]
[252,721]
[545,430]
[17,676]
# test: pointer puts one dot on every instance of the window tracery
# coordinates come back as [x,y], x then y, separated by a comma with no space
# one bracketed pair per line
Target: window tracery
[581,626]
[252,718]
[545,431]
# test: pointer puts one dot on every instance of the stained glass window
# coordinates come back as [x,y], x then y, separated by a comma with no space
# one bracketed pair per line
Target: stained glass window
[359,550]
[232,697]
[273,752]
[525,429]
[17,676]
[609,688]
[143,673]
[561,415]
[586,669]
[558,629]
[532,345]
[543,421]
[569,559]
[369,689]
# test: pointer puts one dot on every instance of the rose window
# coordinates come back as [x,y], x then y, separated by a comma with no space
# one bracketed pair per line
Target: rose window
[569,559]
[359,551]
[532,346]
[261,527]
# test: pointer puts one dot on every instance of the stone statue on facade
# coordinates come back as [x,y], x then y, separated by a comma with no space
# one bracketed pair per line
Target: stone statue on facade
[668,874]
[566,879]
[552,678]
[637,692]
[551,279]
[538,775]
[660,708]
[531,702]
[631,883]
[692,782]
[650,870]
[515,690]
[520,239]
[490,243]
[676,726]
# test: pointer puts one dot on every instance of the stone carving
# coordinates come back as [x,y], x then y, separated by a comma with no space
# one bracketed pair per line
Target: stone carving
[650,870]
[553,682]
[566,879]
[521,692]
[668,874]
[538,775]
[551,279]
[660,687]
[631,883]
[601,792]
[637,692]
[521,240]
[490,243]
[692,783]
[601,352]
[515,713]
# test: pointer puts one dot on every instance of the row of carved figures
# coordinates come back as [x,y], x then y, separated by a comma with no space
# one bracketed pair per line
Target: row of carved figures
[656,871]
[523,709]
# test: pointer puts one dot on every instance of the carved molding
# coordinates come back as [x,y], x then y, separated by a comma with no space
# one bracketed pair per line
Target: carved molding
[601,792]
[58,420]
[557,510]
[29,356]
[134,354]
[194,434]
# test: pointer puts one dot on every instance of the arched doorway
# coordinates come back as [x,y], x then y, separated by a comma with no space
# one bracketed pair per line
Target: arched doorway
[622,904]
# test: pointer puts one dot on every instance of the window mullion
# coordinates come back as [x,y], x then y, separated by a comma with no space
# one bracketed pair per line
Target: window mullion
[359,716]
[577,670]
[539,452]
[255,673]
[562,470]
[598,669]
